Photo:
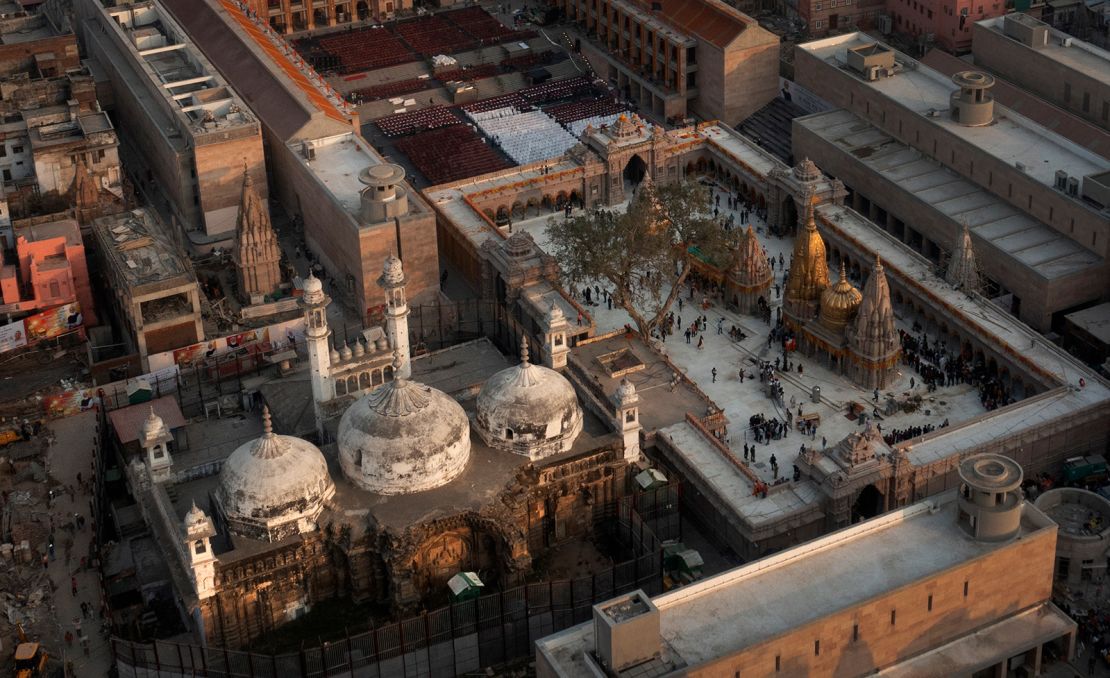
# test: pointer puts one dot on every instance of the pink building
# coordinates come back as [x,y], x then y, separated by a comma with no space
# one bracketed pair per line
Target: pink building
[50,270]
[947,21]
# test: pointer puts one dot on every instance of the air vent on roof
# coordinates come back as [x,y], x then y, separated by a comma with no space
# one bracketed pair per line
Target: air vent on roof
[1073,187]
[1061,180]
[309,151]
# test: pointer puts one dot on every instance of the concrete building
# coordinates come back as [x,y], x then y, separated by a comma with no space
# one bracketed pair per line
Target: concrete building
[917,592]
[324,173]
[701,56]
[923,154]
[1084,526]
[64,137]
[50,270]
[183,121]
[1064,70]
[153,288]
[34,43]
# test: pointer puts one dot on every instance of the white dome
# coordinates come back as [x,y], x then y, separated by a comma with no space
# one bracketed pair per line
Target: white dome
[153,426]
[393,272]
[312,284]
[529,410]
[274,486]
[403,437]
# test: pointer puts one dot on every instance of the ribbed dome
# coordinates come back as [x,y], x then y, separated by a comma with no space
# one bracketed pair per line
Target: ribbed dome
[274,486]
[403,437]
[153,427]
[312,286]
[393,272]
[529,410]
[839,303]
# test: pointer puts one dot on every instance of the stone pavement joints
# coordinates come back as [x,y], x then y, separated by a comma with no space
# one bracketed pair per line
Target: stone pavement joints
[70,453]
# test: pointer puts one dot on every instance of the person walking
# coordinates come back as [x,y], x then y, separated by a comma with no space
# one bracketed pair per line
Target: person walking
[714,373]
[73,586]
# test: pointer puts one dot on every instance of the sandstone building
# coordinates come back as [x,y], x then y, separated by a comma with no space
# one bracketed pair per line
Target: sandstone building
[960,584]
[184,121]
[702,56]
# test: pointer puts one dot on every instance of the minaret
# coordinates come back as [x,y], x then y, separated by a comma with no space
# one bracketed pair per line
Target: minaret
[963,271]
[257,254]
[198,549]
[316,335]
[872,338]
[809,272]
[555,337]
[393,282]
[626,401]
[155,440]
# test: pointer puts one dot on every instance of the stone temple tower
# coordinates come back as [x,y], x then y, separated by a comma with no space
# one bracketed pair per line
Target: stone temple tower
[872,339]
[316,335]
[393,282]
[749,276]
[809,273]
[257,254]
[963,271]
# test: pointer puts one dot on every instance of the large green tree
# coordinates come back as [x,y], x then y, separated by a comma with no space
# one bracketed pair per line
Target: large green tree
[644,253]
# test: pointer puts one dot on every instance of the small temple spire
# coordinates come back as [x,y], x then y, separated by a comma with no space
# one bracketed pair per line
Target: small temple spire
[963,269]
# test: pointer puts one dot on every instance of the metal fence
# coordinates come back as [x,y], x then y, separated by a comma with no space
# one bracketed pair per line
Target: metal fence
[461,638]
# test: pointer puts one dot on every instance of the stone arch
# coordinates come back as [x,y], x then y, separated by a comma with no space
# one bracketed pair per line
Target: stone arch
[576,198]
[340,387]
[561,200]
[517,210]
[689,168]
[387,373]
[700,166]
[548,202]
[352,384]
[376,378]
[489,214]
[635,169]
[868,503]
[790,214]
[364,380]
[531,203]
[502,215]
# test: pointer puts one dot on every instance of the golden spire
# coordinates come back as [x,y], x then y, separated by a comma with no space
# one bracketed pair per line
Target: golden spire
[809,272]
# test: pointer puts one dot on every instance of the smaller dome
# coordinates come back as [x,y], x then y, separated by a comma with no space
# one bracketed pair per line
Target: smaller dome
[345,352]
[555,315]
[196,517]
[334,355]
[393,273]
[839,303]
[626,394]
[807,171]
[274,487]
[312,284]
[359,349]
[382,344]
[529,410]
[153,427]
[519,245]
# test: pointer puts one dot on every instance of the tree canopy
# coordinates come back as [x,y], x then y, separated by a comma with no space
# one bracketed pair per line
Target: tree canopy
[644,254]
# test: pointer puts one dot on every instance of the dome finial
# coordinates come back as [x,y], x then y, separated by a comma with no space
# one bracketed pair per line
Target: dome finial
[843,273]
[267,424]
[398,362]
[524,350]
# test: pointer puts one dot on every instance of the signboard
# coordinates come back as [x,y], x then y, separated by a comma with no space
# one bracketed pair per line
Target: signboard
[280,336]
[13,336]
[53,323]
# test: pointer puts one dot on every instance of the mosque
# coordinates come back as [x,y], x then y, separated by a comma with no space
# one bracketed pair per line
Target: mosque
[457,460]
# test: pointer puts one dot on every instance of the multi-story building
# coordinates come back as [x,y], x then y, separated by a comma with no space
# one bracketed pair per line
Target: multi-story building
[674,57]
[62,137]
[49,270]
[184,122]
[355,207]
[957,585]
[946,23]
[924,155]
[824,16]
[1065,71]
[34,44]
[288,16]
[153,288]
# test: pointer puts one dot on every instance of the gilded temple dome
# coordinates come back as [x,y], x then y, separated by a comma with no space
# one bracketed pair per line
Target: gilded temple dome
[274,486]
[529,410]
[403,437]
[839,303]
[809,272]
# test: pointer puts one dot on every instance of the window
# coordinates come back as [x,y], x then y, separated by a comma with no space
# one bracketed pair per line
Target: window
[508,434]
[855,632]
[17,149]
[817,648]
[158,453]
[818,6]
[965,588]
[819,23]
[930,602]
[7,175]
[3,150]
[198,546]
[893,616]
[778,663]
[930,14]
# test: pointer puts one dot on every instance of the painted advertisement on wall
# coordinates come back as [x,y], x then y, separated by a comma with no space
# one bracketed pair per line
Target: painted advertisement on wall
[67,403]
[13,336]
[54,323]
[277,337]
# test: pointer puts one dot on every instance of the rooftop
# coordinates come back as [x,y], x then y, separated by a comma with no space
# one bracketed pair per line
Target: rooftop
[1035,245]
[753,603]
[1095,321]
[63,228]
[336,162]
[1079,56]
[1012,138]
[711,20]
[138,247]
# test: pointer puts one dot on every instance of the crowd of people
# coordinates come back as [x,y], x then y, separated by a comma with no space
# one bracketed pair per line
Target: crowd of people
[938,367]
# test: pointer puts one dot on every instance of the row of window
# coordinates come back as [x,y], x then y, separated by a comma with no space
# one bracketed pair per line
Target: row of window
[855,628]
[1086,106]
[832,3]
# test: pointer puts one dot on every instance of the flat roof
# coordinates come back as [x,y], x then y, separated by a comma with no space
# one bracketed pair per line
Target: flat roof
[337,163]
[1094,320]
[138,246]
[1035,245]
[1079,56]
[753,603]
[1012,138]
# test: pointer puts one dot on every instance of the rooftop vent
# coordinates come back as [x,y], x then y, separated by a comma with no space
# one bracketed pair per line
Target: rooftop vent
[972,105]
[626,631]
[1025,29]
[865,59]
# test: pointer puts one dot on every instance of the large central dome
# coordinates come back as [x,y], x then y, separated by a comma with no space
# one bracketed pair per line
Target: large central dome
[529,410]
[274,487]
[403,437]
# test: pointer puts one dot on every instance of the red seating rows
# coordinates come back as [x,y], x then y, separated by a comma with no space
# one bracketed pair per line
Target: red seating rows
[394,89]
[577,110]
[477,22]
[469,74]
[451,153]
[432,35]
[356,50]
[430,118]
[554,90]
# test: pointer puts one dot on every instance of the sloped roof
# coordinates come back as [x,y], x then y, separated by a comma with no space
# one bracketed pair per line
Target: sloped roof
[712,21]
[128,421]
